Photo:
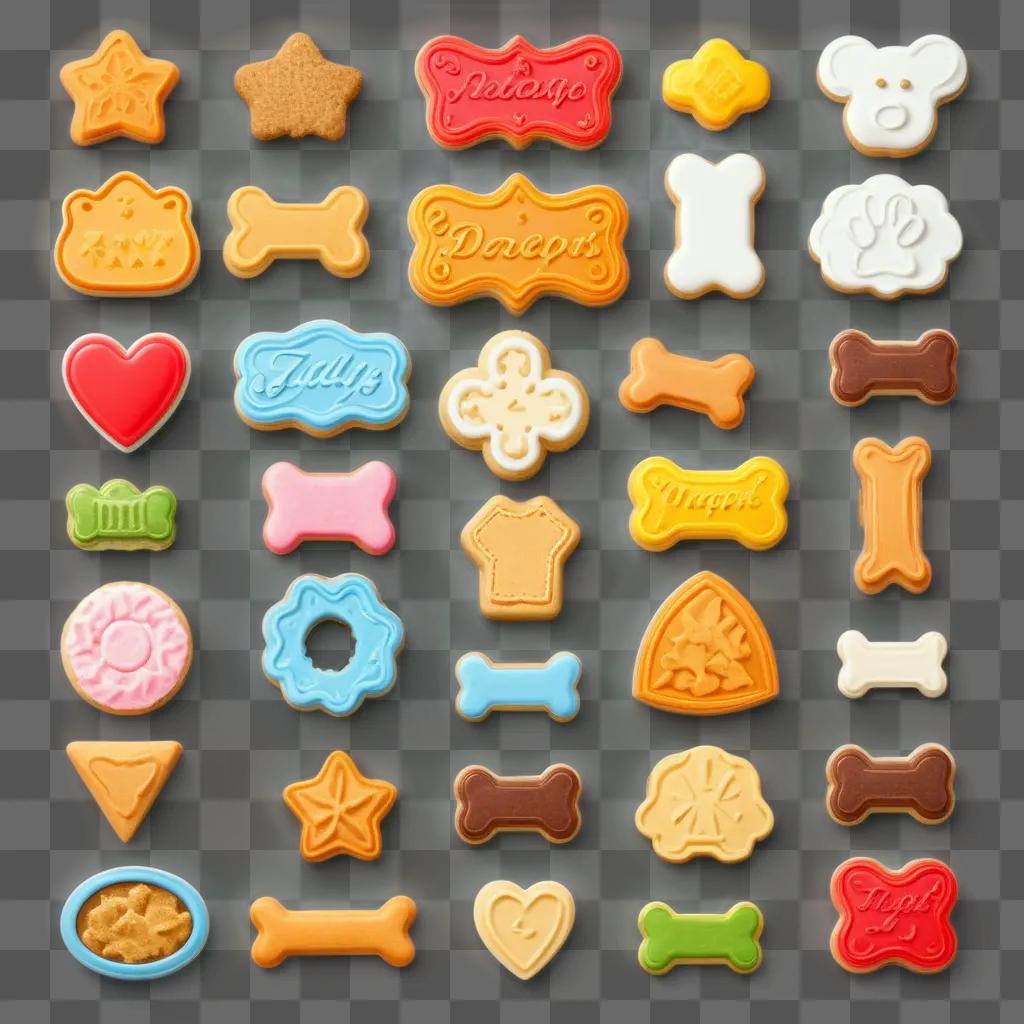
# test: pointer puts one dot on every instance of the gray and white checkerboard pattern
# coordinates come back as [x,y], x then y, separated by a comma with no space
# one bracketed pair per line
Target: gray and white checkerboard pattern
[221,822]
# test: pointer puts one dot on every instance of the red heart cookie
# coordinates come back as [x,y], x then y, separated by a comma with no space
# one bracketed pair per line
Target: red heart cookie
[126,395]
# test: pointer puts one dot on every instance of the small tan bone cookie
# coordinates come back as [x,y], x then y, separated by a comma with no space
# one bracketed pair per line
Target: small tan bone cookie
[712,387]
[513,407]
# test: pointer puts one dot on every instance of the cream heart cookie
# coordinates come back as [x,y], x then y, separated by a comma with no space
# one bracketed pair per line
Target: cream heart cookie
[524,928]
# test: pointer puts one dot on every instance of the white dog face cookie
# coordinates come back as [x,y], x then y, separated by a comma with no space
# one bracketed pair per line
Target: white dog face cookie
[885,237]
[892,94]
[714,226]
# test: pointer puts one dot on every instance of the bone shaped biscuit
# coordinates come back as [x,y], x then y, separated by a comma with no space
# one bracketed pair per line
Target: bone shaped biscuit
[264,230]
[487,803]
[863,367]
[891,512]
[712,387]
[670,939]
[485,686]
[891,664]
[384,932]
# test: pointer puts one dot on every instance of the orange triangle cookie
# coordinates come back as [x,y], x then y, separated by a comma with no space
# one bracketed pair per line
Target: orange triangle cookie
[124,778]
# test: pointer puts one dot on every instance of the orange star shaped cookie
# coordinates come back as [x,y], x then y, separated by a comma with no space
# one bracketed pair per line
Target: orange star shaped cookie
[340,810]
[119,92]
[298,92]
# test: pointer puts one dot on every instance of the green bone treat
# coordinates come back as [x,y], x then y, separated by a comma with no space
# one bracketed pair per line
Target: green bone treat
[119,517]
[670,938]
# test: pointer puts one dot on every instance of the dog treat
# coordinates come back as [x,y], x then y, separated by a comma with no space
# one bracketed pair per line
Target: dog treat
[517,243]
[716,85]
[885,237]
[670,504]
[712,387]
[714,248]
[485,686]
[671,939]
[704,802]
[117,516]
[340,810]
[891,96]
[891,510]
[513,407]
[893,917]
[127,240]
[134,923]
[520,548]
[377,639]
[126,648]
[124,778]
[298,92]
[118,92]
[891,664]
[920,784]
[519,93]
[264,230]
[523,929]
[329,506]
[384,932]
[705,652]
[321,378]
[863,367]
[486,804]
[126,394]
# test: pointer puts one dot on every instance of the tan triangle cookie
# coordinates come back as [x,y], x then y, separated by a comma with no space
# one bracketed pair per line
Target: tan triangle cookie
[124,778]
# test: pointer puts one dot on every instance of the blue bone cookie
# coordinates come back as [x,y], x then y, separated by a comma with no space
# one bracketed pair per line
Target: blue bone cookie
[670,938]
[118,516]
[548,686]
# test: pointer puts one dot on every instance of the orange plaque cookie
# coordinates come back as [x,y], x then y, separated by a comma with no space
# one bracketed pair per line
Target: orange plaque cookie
[118,92]
[127,239]
[892,512]
[705,652]
[518,243]
[520,548]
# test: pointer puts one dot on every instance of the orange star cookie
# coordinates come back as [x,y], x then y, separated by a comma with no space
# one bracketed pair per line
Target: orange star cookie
[340,810]
[298,92]
[119,92]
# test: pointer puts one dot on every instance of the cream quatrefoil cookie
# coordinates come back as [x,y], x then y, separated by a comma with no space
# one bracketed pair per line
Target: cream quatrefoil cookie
[513,407]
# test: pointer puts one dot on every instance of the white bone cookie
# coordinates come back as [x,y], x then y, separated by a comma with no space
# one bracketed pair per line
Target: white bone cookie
[891,94]
[714,226]
[891,664]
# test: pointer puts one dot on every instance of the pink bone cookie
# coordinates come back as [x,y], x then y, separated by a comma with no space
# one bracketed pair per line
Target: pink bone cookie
[329,506]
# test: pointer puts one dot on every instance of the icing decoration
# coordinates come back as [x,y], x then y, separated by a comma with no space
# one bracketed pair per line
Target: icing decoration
[885,237]
[716,85]
[513,407]
[550,686]
[517,244]
[891,95]
[519,93]
[117,516]
[893,917]
[705,652]
[891,664]
[321,378]
[126,648]
[377,638]
[329,506]
[745,504]
[671,939]
[714,248]
[127,239]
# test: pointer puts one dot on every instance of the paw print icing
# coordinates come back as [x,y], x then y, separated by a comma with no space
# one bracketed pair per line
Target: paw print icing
[885,237]
[513,407]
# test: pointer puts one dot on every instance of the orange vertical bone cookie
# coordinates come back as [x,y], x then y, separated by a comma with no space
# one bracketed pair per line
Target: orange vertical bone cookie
[891,512]
[712,387]
[518,243]
[384,932]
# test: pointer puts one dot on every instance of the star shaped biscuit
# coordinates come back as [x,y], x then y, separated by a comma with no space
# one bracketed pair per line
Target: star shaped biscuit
[298,92]
[119,92]
[340,810]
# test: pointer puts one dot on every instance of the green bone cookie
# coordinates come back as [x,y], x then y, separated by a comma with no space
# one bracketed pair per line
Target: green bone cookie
[118,516]
[671,938]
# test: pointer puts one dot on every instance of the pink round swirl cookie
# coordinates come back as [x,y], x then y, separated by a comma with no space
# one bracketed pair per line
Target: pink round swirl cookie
[126,648]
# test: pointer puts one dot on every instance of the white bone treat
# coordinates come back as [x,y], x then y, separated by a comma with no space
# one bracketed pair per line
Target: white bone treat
[891,664]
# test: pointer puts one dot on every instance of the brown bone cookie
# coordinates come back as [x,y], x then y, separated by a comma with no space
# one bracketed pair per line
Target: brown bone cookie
[487,803]
[920,784]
